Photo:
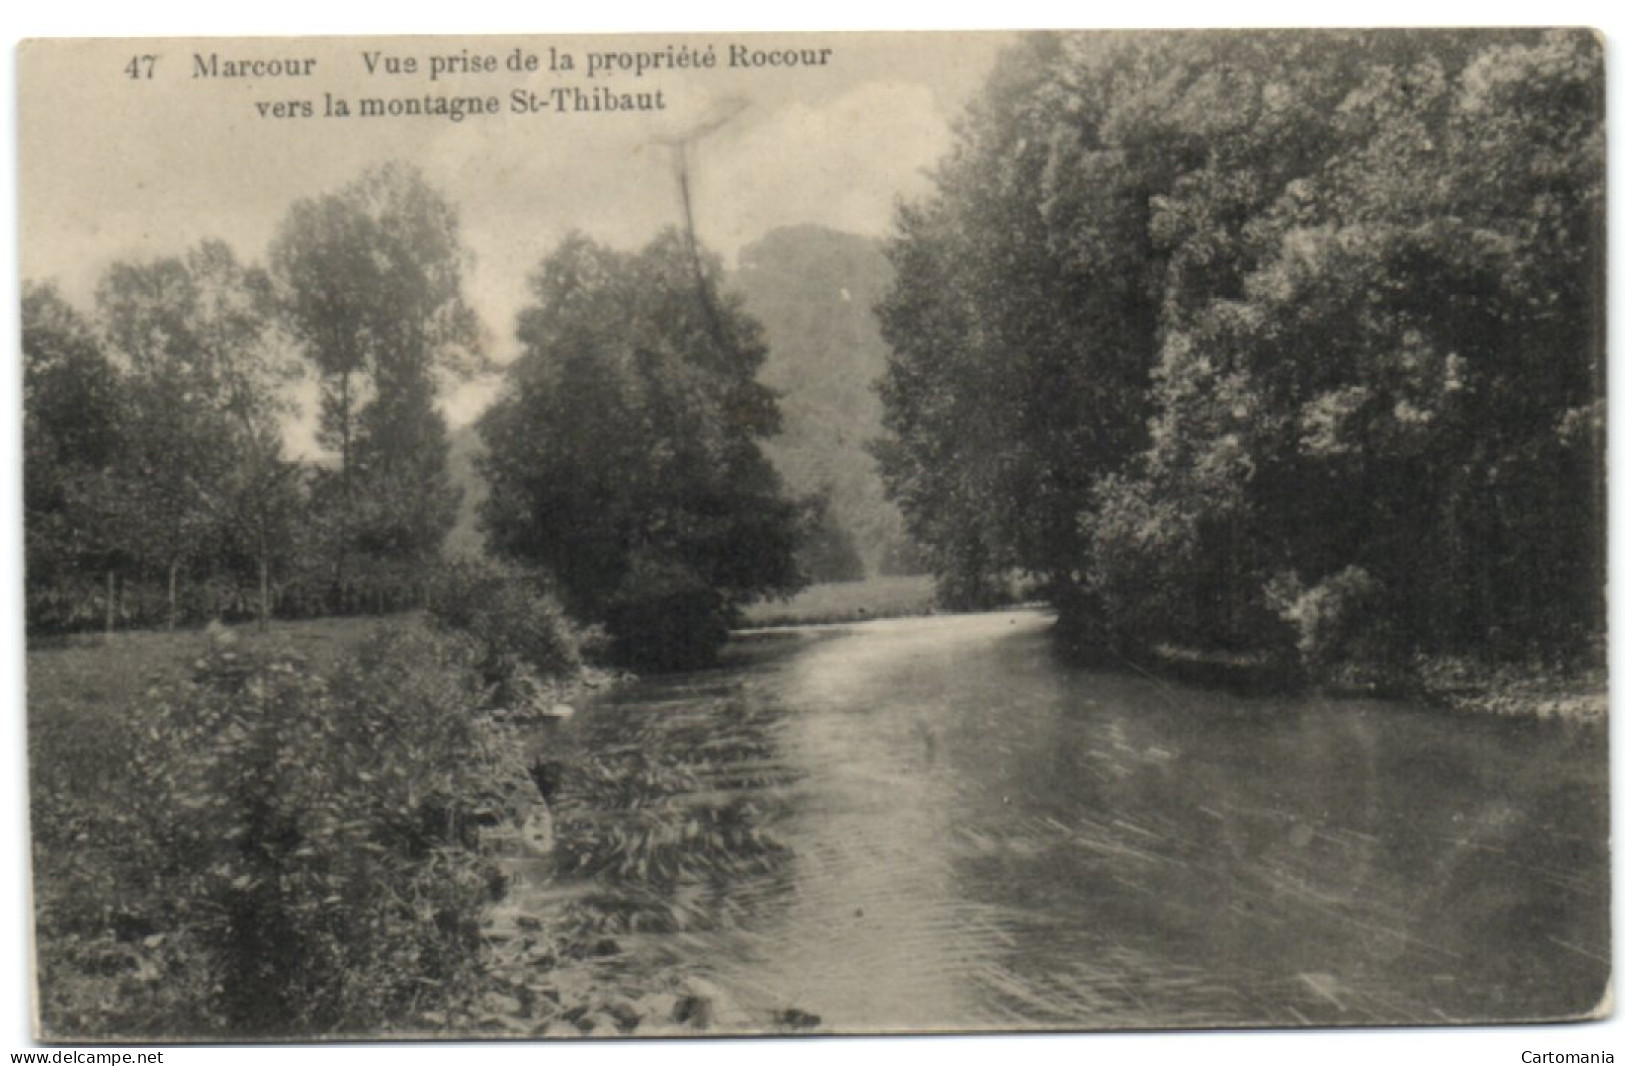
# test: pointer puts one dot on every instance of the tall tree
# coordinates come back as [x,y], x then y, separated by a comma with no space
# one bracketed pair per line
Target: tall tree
[371,279]
[623,454]
[73,433]
[1181,298]
[1415,328]
[1022,321]
[204,370]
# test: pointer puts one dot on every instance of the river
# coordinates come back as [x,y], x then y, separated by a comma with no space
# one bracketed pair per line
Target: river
[934,824]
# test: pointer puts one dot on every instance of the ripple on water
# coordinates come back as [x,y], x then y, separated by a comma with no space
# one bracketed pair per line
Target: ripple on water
[934,824]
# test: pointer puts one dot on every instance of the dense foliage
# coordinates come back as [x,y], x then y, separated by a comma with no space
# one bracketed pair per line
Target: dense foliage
[158,488]
[72,414]
[521,634]
[623,453]
[1252,340]
[280,849]
[371,281]
[153,436]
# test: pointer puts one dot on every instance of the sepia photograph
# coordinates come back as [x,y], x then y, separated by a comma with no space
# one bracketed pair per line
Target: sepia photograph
[564,537]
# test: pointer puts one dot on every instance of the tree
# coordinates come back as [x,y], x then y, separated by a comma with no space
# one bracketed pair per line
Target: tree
[1415,328]
[371,284]
[939,458]
[1181,298]
[1022,323]
[826,551]
[623,453]
[73,432]
[204,368]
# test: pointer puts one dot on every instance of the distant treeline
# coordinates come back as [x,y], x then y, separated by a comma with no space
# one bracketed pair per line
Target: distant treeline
[1285,341]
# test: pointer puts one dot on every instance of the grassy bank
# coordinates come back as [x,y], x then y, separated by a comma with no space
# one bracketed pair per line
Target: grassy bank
[94,674]
[1455,684]
[848,601]
[248,835]
[1568,690]
[86,693]
[306,833]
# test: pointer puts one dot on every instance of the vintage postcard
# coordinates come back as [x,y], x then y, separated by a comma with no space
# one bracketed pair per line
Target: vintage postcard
[709,534]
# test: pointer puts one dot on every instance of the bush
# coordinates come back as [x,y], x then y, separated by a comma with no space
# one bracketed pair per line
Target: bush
[293,855]
[1341,625]
[1143,560]
[664,617]
[826,551]
[520,632]
[970,576]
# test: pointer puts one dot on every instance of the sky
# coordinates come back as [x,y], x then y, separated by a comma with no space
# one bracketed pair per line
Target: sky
[114,167]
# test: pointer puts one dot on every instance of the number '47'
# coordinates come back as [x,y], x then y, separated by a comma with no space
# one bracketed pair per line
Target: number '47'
[141,66]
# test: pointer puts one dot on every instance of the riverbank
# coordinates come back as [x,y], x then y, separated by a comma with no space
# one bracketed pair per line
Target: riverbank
[847,601]
[1577,689]
[1574,692]
[117,962]
[679,809]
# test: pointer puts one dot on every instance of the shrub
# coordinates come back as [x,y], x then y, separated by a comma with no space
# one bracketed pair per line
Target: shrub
[1143,557]
[969,575]
[1340,624]
[294,854]
[665,617]
[520,632]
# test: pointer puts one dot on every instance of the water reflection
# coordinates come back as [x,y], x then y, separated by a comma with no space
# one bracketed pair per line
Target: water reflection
[931,823]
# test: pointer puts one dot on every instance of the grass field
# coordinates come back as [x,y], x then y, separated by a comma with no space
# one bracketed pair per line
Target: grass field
[77,683]
[84,689]
[849,601]
[97,669]
[78,686]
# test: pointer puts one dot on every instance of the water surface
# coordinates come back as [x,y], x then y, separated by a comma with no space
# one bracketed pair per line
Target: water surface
[935,824]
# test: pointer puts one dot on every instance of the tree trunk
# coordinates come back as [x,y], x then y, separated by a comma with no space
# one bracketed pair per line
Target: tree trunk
[112,601]
[347,490]
[265,588]
[174,567]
